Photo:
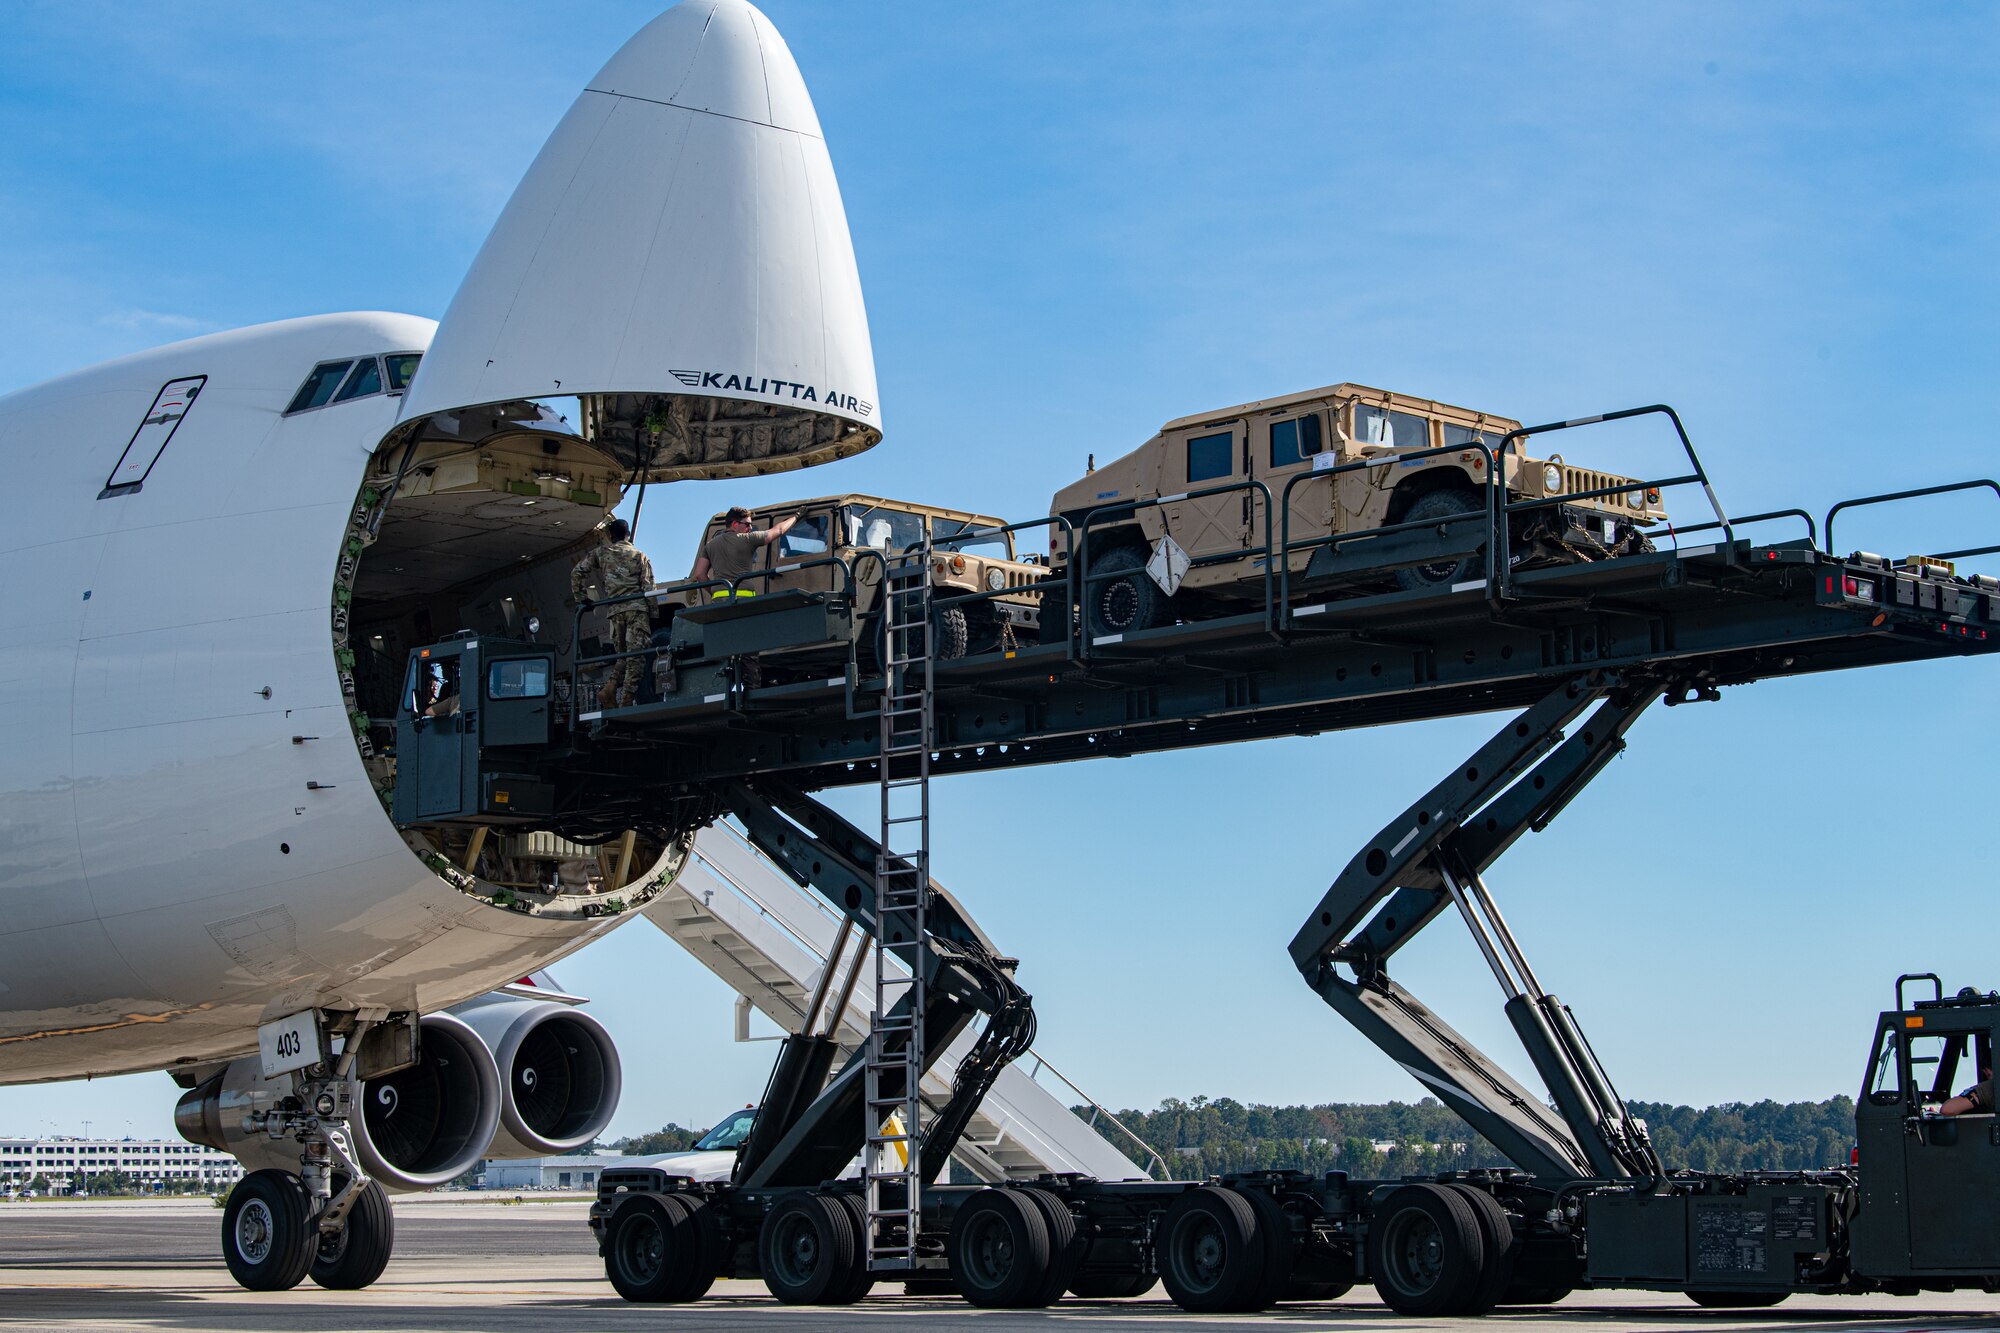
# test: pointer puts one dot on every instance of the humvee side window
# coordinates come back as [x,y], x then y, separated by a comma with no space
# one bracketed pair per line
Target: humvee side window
[806,537]
[1402,430]
[1210,456]
[1294,441]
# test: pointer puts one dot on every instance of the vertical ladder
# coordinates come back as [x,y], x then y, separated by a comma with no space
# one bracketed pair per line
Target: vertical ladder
[892,1171]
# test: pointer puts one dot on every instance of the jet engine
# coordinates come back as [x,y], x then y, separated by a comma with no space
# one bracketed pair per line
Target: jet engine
[416,1129]
[559,1074]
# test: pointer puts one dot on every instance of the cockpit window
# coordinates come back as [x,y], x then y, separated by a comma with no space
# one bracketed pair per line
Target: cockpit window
[364,382]
[318,389]
[402,369]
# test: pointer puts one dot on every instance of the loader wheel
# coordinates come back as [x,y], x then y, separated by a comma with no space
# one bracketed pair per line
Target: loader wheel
[1440,506]
[1274,1228]
[861,1281]
[1210,1253]
[1736,1300]
[1425,1251]
[1125,601]
[1066,1247]
[999,1250]
[662,1247]
[1496,1236]
[806,1249]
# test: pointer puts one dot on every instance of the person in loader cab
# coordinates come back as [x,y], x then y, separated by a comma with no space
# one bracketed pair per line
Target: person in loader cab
[1977,1100]
[729,554]
[622,571]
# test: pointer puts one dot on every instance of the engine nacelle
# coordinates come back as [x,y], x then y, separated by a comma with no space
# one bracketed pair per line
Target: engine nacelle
[416,1129]
[560,1075]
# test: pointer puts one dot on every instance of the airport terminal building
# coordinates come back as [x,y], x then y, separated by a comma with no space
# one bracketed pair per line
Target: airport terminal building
[59,1163]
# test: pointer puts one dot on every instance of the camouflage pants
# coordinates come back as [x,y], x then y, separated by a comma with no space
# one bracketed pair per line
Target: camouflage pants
[629,632]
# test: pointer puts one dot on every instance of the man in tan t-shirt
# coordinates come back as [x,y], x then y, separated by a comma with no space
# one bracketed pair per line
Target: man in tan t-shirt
[729,553]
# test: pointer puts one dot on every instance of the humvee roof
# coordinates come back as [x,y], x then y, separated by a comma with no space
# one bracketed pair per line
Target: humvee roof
[1463,416]
[939,511]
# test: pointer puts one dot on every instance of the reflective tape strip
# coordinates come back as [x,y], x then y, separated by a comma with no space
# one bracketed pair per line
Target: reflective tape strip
[1584,421]
[1694,551]
[1109,638]
[713,698]
[1310,610]
[1169,499]
[1408,838]
[1465,587]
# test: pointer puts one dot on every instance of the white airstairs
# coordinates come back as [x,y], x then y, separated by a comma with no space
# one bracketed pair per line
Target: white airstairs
[767,938]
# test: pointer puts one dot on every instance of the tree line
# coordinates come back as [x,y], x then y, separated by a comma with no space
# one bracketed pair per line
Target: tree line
[1203,1136]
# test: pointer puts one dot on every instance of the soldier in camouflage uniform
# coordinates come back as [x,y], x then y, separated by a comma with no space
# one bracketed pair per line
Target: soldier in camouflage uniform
[622,571]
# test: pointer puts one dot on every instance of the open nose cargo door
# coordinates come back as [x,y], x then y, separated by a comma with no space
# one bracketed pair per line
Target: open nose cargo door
[677,257]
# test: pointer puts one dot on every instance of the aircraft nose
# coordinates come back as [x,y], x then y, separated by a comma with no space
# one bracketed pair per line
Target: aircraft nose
[678,257]
[719,56]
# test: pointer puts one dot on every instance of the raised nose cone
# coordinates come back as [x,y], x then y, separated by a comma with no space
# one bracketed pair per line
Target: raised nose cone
[678,257]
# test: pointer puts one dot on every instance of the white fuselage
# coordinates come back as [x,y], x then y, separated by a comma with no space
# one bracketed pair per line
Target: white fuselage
[188,842]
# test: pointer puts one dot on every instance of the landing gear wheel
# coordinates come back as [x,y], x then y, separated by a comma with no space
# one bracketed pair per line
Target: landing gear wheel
[1439,506]
[1111,1286]
[1736,1300]
[1210,1254]
[354,1256]
[999,1250]
[860,1280]
[1425,1251]
[1496,1237]
[807,1249]
[951,633]
[267,1236]
[663,1247]
[1126,602]
[1066,1247]
[1274,1230]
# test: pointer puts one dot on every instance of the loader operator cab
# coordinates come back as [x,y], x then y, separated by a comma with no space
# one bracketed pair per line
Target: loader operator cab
[471,728]
[1928,1051]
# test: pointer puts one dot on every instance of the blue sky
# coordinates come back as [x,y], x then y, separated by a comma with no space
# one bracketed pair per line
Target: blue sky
[1076,221]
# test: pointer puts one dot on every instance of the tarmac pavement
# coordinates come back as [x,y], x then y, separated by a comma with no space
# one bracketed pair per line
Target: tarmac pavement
[494,1265]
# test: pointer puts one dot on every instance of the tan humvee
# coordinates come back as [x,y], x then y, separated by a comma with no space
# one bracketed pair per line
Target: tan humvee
[1277,440]
[967,557]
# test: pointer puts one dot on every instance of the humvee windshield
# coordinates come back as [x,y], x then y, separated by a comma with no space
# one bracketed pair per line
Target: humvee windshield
[1401,430]
[884,529]
[947,534]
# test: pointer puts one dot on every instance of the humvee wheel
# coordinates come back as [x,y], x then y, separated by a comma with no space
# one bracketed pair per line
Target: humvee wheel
[951,635]
[1126,599]
[1440,506]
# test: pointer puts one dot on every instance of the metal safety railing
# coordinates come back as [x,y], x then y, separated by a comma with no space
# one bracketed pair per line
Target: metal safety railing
[1889,497]
[1083,581]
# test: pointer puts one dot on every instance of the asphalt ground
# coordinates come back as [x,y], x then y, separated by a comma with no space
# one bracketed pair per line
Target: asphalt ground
[532,1266]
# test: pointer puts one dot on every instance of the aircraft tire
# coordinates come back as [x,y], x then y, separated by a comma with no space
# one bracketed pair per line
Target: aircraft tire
[267,1238]
[354,1256]
[999,1250]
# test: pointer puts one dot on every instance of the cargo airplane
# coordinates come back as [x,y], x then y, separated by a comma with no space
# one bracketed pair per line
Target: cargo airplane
[233,546]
